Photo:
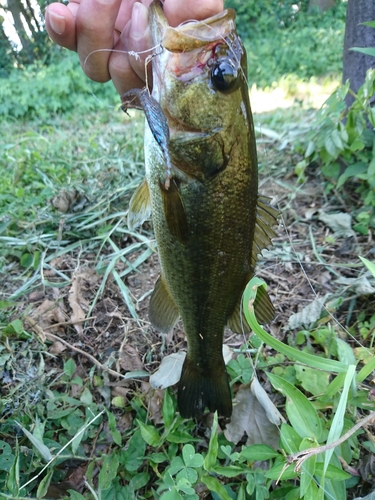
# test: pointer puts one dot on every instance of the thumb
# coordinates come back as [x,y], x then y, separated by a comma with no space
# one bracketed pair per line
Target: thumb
[177,12]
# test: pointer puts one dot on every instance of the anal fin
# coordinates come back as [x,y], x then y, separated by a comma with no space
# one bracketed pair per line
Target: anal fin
[163,312]
[263,307]
[237,321]
[139,206]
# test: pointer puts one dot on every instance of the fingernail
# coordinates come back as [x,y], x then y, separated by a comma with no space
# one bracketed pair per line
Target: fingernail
[57,22]
[139,20]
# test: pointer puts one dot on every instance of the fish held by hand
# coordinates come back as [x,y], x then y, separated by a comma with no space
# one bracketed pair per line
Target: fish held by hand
[202,188]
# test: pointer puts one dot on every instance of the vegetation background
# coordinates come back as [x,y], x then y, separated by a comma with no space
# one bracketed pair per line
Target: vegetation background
[78,416]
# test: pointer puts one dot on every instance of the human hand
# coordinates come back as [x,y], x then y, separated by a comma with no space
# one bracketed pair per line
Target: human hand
[87,26]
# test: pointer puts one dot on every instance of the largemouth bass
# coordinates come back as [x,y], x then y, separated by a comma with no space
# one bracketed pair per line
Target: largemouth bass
[202,188]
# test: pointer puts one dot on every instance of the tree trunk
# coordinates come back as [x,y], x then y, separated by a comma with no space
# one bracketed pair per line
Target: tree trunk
[356,35]
[17,9]
[322,4]
[8,55]
[30,10]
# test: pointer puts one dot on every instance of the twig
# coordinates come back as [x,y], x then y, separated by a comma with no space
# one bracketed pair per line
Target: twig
[66,323]
[53,337]
[303,455]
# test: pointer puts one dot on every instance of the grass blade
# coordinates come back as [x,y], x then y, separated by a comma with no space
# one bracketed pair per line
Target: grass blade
[126,294]
[303,357]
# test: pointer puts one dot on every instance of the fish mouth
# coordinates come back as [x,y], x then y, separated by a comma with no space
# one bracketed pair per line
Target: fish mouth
[196,34]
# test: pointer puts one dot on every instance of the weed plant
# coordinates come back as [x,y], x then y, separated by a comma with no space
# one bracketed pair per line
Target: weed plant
[285,38]
[41,92]
[342,141]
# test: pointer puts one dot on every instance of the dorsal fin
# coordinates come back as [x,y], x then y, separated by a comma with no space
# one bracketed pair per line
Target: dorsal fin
[266,218]
[139,206]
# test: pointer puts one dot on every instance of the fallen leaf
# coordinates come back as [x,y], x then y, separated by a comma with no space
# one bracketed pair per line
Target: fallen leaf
[69,201]
[251,418]
[340,223]
[310,212]
[129,359]
[169,371]
[57,348]
[360,286]
[227,353]
[46,314]
[272,412]
[371,496]
[75,300]
[309,314]
[154,399]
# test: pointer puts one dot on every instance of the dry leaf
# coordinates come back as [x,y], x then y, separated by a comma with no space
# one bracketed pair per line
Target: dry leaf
[154,399]
[169,371]
[69,201]
[360,286]
[75,300]
[46,314]
[129,359]
[309,314]
[340,223]
[170,368]
[120,391]
[250,417]
[273,414]
[57,348]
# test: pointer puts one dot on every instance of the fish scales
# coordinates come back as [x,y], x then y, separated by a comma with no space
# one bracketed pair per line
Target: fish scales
[205,221]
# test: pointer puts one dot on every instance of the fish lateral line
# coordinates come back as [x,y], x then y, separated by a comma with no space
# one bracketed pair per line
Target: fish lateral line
[156,119]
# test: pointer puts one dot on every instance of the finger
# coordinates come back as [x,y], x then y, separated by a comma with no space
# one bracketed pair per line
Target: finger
[60,24]
[95,25]
[123,75]
[139,39]
[176,11]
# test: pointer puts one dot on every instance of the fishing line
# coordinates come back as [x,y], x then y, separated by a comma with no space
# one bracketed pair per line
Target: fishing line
[129,52]
[135,54]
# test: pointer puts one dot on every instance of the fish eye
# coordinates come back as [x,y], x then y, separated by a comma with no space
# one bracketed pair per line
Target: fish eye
[224,76]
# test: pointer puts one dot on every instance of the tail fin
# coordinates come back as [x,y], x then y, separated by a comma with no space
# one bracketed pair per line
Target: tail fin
[198,390]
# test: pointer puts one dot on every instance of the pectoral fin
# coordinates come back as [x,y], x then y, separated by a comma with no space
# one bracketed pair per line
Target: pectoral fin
[163,312]
[139,206]
[174,211]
